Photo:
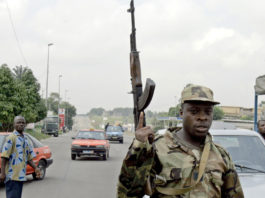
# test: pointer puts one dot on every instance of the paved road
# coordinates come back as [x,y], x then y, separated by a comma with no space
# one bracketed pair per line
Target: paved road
[93,178]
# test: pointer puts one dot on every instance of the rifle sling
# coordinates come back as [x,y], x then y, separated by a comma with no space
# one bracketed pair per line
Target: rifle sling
[202,166]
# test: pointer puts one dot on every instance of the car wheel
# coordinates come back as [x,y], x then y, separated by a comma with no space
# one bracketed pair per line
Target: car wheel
[73,156]
[121,141]
[55,135]
[42,167]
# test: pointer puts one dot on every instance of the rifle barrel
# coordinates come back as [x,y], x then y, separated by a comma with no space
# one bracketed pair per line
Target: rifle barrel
[133,34]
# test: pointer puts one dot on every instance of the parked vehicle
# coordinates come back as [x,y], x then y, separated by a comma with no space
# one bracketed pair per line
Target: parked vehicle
[247,149]
[43,153]
[114,133]
[51,126]
[90,143]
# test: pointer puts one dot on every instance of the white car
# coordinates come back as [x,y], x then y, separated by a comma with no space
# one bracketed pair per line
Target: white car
[247,149]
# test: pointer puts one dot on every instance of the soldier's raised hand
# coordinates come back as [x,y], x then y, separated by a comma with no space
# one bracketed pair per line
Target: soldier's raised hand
[142,133]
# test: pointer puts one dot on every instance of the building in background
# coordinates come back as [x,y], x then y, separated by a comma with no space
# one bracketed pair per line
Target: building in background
[234,112]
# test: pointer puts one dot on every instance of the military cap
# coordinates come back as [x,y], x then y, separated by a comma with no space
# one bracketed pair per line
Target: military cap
[197,93]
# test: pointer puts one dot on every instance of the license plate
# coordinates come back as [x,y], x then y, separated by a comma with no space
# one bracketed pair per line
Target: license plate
[88,152]
[114,138]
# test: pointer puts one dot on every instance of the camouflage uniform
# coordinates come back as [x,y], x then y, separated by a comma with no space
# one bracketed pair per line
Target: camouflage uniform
[170,164]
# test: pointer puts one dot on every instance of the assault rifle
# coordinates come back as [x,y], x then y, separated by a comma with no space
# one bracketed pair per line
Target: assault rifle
[141,99]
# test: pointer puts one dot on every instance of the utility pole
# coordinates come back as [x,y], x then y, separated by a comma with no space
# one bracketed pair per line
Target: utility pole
[59,101]
[65,119]
[47,79]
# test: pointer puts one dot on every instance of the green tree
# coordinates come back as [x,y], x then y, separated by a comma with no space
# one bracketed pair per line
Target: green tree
[19,95]
[19,71]
[70,112]
[41,109]
[7,98]
[246,117]
[30,103]
[174,111]
[162,114]
[148,114]
[120,111]
[96,111]
[218,113]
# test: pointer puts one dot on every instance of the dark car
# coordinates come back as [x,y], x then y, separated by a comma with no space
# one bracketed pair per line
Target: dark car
[43,154]
[114,133]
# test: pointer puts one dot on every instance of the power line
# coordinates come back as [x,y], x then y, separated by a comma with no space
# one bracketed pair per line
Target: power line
[15,34]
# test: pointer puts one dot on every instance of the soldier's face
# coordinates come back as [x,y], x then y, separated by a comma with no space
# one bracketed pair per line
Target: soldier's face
[262,127]
[197,118]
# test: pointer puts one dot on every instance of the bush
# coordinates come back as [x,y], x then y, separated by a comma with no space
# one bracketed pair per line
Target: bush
[37,134]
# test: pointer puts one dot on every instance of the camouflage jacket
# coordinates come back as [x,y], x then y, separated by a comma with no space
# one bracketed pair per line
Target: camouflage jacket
[171,163]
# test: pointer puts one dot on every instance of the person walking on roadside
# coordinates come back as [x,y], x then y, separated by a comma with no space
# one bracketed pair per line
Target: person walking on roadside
[16,154]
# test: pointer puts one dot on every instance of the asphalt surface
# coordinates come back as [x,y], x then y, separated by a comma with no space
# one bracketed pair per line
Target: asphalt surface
[83,177]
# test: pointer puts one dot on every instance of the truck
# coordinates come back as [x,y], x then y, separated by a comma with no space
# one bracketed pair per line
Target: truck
[51,126]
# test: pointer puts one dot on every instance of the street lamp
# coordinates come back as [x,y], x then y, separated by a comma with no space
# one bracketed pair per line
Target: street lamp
[65,94]
[59,100]
[65,119]
[50,44]
[59,90]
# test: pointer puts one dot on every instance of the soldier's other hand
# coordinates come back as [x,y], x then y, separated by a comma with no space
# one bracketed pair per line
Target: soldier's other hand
[143,134]
[37,171]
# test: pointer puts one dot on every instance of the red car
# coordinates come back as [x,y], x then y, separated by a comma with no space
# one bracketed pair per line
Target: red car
[90,142]
[43,154]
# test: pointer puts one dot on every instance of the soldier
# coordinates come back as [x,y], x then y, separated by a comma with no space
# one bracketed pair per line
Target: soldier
[182,163]
[261,127]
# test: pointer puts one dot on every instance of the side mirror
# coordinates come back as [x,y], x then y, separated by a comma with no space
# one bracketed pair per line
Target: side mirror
[73,138]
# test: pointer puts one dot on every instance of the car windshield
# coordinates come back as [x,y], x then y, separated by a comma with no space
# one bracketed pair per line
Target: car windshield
[94,135]
[2,140]
[248,151]
[114,129]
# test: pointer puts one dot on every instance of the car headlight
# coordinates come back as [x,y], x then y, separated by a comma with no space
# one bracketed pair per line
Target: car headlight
[100,146]
[75,145]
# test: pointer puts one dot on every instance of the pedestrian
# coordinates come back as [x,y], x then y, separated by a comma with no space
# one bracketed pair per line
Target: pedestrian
[16,154]
[261,127]
[182,163]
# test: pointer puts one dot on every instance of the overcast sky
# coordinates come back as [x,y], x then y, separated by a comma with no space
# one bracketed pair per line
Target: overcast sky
[219,44]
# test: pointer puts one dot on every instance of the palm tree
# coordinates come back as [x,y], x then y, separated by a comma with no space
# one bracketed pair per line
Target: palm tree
[19,71]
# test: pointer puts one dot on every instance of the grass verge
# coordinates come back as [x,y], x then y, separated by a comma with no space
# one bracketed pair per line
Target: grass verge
[37,134]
